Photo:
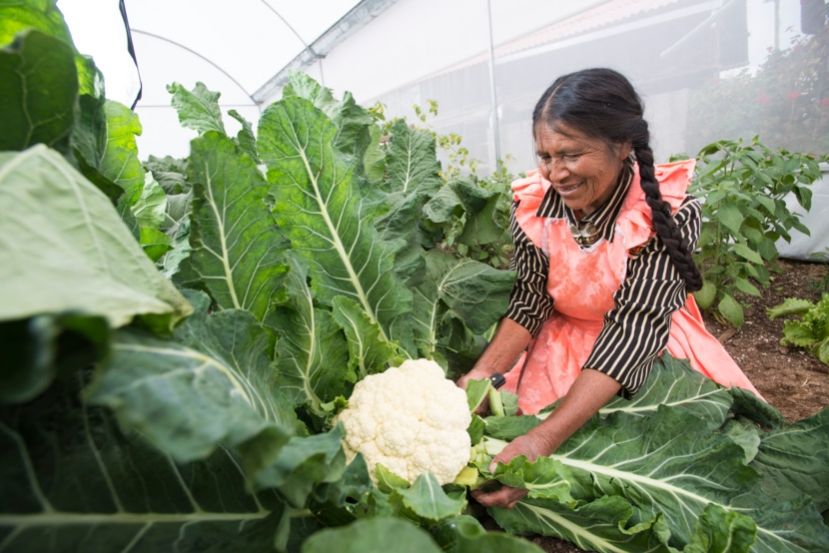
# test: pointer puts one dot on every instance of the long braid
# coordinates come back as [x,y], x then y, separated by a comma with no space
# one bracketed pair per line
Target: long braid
[678,248]
[602,103]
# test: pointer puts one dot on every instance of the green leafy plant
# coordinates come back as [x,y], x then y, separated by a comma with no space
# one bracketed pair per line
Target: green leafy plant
[811,330]
[142,413]
[469,215]
[743,187]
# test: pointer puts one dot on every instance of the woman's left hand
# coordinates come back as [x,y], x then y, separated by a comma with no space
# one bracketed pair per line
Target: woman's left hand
[529,445]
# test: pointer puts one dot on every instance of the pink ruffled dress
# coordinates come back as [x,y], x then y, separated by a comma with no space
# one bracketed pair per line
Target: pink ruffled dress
[568,336]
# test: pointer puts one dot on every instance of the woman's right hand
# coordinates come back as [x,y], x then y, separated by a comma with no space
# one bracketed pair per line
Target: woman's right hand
[499,357]
[477,373]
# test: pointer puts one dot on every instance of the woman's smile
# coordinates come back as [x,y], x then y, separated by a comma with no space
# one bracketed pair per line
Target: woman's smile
[569,189]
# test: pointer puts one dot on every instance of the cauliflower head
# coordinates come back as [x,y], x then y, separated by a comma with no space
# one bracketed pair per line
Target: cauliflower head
[411,419]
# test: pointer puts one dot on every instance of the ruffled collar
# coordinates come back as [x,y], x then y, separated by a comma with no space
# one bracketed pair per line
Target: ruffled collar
[635,221]
[536,201]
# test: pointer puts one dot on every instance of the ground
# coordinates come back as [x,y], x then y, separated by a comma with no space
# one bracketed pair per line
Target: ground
[793,381]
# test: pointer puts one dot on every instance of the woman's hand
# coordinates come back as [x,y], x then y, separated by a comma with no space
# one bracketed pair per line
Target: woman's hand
[463,382]
[531,445]
[475,374]
[589,392]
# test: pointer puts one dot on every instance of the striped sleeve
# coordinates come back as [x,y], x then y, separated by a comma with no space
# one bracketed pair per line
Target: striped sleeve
[529,304]
[636,330]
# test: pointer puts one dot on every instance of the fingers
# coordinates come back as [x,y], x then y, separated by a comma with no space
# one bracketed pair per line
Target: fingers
[505,456]
[505,497]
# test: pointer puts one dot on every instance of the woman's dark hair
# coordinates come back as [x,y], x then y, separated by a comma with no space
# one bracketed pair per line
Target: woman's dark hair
[602,103]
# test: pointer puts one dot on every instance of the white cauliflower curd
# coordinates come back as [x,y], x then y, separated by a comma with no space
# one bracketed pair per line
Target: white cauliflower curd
[411,419]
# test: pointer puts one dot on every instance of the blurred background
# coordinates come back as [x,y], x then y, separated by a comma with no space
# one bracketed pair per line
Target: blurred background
[707,69]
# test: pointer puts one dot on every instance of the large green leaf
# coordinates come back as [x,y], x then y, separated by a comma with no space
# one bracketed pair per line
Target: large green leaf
[323,214]
[721,531]
[412,177]
[211,386]
[88,141]
[353,122]
[73,482]
[374,160]
[602,525]
[748,405]
[679,474]
[150,210]
[731,217]
[475,293]
[104,145]
[795,459]
[333,501]
[312,356]
[198,109]
[18,17]
[119,159]
[480,205]
[411,163]
[369,352]
[544,478]
[303,86]
[674,384]
[237,248]
[471,291]
[303,463]
[605,525]
[374,535]
[443,205]
[38,88]
[427,499]
[783,526]
[245,137]
[42,15]
[57,224]
[170,173]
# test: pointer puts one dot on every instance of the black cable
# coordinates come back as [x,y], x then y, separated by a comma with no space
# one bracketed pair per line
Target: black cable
[131,50]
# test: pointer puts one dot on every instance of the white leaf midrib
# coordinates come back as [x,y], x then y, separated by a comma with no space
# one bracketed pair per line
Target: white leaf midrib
[228,272]
[339,247]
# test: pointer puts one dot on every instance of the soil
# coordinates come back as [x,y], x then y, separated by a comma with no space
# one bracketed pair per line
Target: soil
[791,380]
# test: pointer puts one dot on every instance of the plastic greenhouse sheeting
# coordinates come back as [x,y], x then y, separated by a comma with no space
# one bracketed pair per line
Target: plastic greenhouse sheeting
[707,69]
[233,47]
[814,247]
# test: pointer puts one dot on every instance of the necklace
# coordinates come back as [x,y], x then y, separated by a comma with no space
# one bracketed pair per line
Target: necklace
[585,234]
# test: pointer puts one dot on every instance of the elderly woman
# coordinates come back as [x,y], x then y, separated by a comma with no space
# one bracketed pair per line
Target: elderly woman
[603,243]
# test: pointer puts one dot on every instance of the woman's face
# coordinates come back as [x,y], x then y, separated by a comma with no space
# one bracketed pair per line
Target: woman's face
[582,169]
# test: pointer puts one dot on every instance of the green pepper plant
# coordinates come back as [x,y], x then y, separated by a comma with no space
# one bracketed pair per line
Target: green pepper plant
[743,187]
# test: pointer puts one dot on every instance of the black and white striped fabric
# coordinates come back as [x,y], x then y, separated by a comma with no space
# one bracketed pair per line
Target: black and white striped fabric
[636,330]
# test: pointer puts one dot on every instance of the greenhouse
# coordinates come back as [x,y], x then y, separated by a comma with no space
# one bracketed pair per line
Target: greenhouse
[414,276]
